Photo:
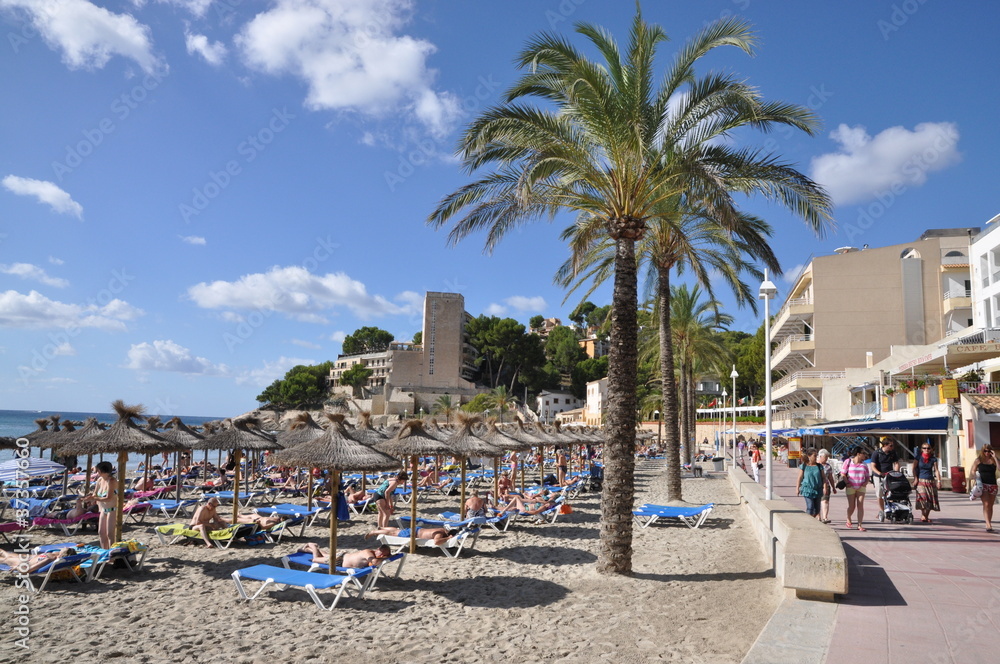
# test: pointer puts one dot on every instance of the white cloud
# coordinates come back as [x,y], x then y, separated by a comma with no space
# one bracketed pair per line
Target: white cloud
[338,336]
[231,317]
[306,344]
[213,52]
[196,7]
[34,310]
[271,371]
[792,274]
[88,35]
[56,261]
[45,192]
[192,239]
[165,355]
[352,57]
[495,309]
[527,304]
[293,291]
[65,348]
[897,158]
[28,271]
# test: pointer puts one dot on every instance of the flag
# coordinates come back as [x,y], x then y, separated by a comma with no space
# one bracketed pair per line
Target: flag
[714,403]
[742,401]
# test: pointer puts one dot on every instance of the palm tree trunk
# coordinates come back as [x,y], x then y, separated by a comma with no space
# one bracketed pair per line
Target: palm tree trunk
[671,433]
[692,416]
[682,405]
[615,551]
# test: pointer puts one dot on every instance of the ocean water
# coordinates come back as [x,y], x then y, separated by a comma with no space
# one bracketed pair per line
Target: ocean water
[15,423]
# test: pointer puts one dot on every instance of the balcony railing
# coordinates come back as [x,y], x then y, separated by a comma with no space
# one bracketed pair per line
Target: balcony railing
[957,293]
[979,388]
[869,409]
[800,375]
[792,303]
[790,339]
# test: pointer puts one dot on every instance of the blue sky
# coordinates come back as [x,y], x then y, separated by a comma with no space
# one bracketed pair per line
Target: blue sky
[196,195]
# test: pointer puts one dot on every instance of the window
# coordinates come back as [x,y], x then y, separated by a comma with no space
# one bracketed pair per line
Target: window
[555,401]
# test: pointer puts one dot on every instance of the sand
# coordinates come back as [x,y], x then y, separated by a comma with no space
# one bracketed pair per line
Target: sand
[528,595]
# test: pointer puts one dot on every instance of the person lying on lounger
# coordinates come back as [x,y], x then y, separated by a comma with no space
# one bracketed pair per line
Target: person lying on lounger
[78,509]
[144,484]
[262,521]
[529,507]
[475,506]
[437,535]
[428,481]
[355,560]
[358,496]
[206,518]
[25,564]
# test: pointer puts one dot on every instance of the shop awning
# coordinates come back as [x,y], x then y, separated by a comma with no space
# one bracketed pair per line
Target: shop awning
[929,426]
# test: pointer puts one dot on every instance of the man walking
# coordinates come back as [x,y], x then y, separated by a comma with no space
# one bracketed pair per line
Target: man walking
[884,460]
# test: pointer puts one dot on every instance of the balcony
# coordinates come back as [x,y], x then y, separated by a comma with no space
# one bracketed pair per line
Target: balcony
[957,299]
[803,380]
[792,312]
[979,388]
[864,410]
[794,352]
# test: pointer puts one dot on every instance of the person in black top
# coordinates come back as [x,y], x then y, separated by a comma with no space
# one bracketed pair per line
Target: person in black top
[986,465]
[884,460]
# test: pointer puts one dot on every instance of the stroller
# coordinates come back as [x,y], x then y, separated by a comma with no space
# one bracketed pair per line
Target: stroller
[896,494]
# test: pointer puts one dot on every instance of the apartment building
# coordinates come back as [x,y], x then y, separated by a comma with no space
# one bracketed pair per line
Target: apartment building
[597,401]
[850,308]
[548,404]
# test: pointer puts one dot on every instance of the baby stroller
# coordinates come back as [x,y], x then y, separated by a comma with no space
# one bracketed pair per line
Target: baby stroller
[896,494]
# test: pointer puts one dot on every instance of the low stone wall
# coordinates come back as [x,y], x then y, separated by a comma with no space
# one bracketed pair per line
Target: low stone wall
[808,556]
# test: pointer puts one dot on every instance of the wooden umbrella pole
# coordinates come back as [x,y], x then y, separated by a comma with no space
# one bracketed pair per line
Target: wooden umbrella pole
[521,463]
[335,475]
[496,481]
[413,509]
[145,472]
[236,483]
[119,511]
[541,466]
[309,490]
[177,473]
[462,495]
[86,480]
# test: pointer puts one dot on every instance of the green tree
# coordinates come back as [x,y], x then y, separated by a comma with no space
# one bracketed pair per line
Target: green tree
[478,404]
[366,340]
[356,377]
[536,322]
[563,350]
[445,405]
[506,350]
[580,314]
[302,387]
[501,400]
[418,338]
[586,371]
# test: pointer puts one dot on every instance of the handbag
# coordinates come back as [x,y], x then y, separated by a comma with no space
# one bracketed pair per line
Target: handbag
[841,481]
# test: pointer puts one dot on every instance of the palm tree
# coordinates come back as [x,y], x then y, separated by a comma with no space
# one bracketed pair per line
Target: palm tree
[502,400]
[597,143]
[444,406]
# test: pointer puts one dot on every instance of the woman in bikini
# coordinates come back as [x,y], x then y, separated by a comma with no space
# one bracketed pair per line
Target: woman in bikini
[383,497]
[27,564]
[106,497]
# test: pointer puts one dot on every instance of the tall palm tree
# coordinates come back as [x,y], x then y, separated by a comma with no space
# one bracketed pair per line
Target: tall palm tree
[598,143]
[502,400]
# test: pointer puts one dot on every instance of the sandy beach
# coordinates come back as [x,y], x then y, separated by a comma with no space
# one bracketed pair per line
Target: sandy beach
[528,595]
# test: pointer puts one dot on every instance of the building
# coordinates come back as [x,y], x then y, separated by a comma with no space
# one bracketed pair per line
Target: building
[407,377]
[548,404]
[547,326]
[594,346]
[855,305]
[597,400]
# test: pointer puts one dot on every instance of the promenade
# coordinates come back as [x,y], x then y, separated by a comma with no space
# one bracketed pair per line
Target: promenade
[920,593]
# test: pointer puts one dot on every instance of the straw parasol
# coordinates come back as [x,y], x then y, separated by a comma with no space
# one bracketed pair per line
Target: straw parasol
[366,434]
[7,443]
[239,437]
[412,441]
[336,451]
[123,436]
[303,429]
[465,443]
[519,432]
[184,436]
[502,441]
[38,435]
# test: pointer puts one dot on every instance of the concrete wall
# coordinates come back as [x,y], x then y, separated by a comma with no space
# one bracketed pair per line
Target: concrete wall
[808,556]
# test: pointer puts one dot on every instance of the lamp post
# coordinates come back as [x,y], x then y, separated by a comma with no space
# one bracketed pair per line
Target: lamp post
[767,291]
[659,428]
[734,376]
[722,419]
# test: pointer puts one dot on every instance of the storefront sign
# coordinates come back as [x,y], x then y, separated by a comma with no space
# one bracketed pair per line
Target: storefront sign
[949,389]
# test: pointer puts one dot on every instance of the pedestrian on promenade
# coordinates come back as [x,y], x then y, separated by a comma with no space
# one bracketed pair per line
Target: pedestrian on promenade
[856,474]
[884,460]
[925,469]
[811,483]
[986,465]
[755,461]
[829,486]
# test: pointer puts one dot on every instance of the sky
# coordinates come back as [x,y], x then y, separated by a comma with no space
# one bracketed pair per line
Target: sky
[197,195]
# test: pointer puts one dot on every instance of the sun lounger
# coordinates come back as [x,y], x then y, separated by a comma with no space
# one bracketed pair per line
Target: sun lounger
[10,527]
[222,538]
[451,548]
[68,526]
[692,517]
[308,581]
[403,521]
[305,560]
[72,565]
[137,512]
[498,522]
[300,513]
[246,499]
[131,554]
[172,508]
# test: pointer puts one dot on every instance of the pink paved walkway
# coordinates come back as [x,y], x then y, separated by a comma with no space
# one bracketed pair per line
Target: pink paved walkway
[923,593]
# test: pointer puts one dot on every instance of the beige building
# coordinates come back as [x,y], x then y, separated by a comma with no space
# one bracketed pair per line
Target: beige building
[597,401]
[407,376]
[549,404]
[594,346]
[849,309]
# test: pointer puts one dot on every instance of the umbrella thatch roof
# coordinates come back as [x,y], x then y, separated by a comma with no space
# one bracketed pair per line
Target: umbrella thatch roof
[364,433]
[7,443]
[242,435]
[303,429]
[498,439]
[539,431]
[466,443]
[181,433]
[411,440]
[57,436]
[122,436]
[519,432]
[38,435]
[336,450]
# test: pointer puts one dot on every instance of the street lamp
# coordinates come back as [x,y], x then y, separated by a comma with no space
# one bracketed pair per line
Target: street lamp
[722,419]
[659,428]
[734,376]
[767,291]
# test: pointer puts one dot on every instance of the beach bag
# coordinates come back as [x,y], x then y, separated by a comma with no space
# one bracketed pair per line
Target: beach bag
[565,509]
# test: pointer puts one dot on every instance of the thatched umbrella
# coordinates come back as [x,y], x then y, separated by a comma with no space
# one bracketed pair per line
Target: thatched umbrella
[412,441]
[303,429]
[123,436]
[239,437]
[36,437]
[7,443]
[465,443]
[519,432]
[336,451]
[90,429]
[184,436]
[500,440]
[366,434]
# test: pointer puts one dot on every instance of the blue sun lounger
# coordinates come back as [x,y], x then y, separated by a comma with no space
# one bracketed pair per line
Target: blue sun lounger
[308,581]
[66,563]
[305,560]
[692,517]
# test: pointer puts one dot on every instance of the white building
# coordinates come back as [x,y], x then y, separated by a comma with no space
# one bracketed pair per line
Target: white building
[597,400]
[548,404]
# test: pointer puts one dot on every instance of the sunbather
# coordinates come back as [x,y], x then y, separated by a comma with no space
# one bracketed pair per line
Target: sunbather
[144,484]
[105,496]
[475,505]
[504,485]
[25,565]
[355,560]
[206,518]
[438,535]
[358,496]
[529,507]
[383,497]
[78,509]
[262,521]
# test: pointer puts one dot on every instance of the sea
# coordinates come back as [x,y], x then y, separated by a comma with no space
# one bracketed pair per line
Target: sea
[16,423]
